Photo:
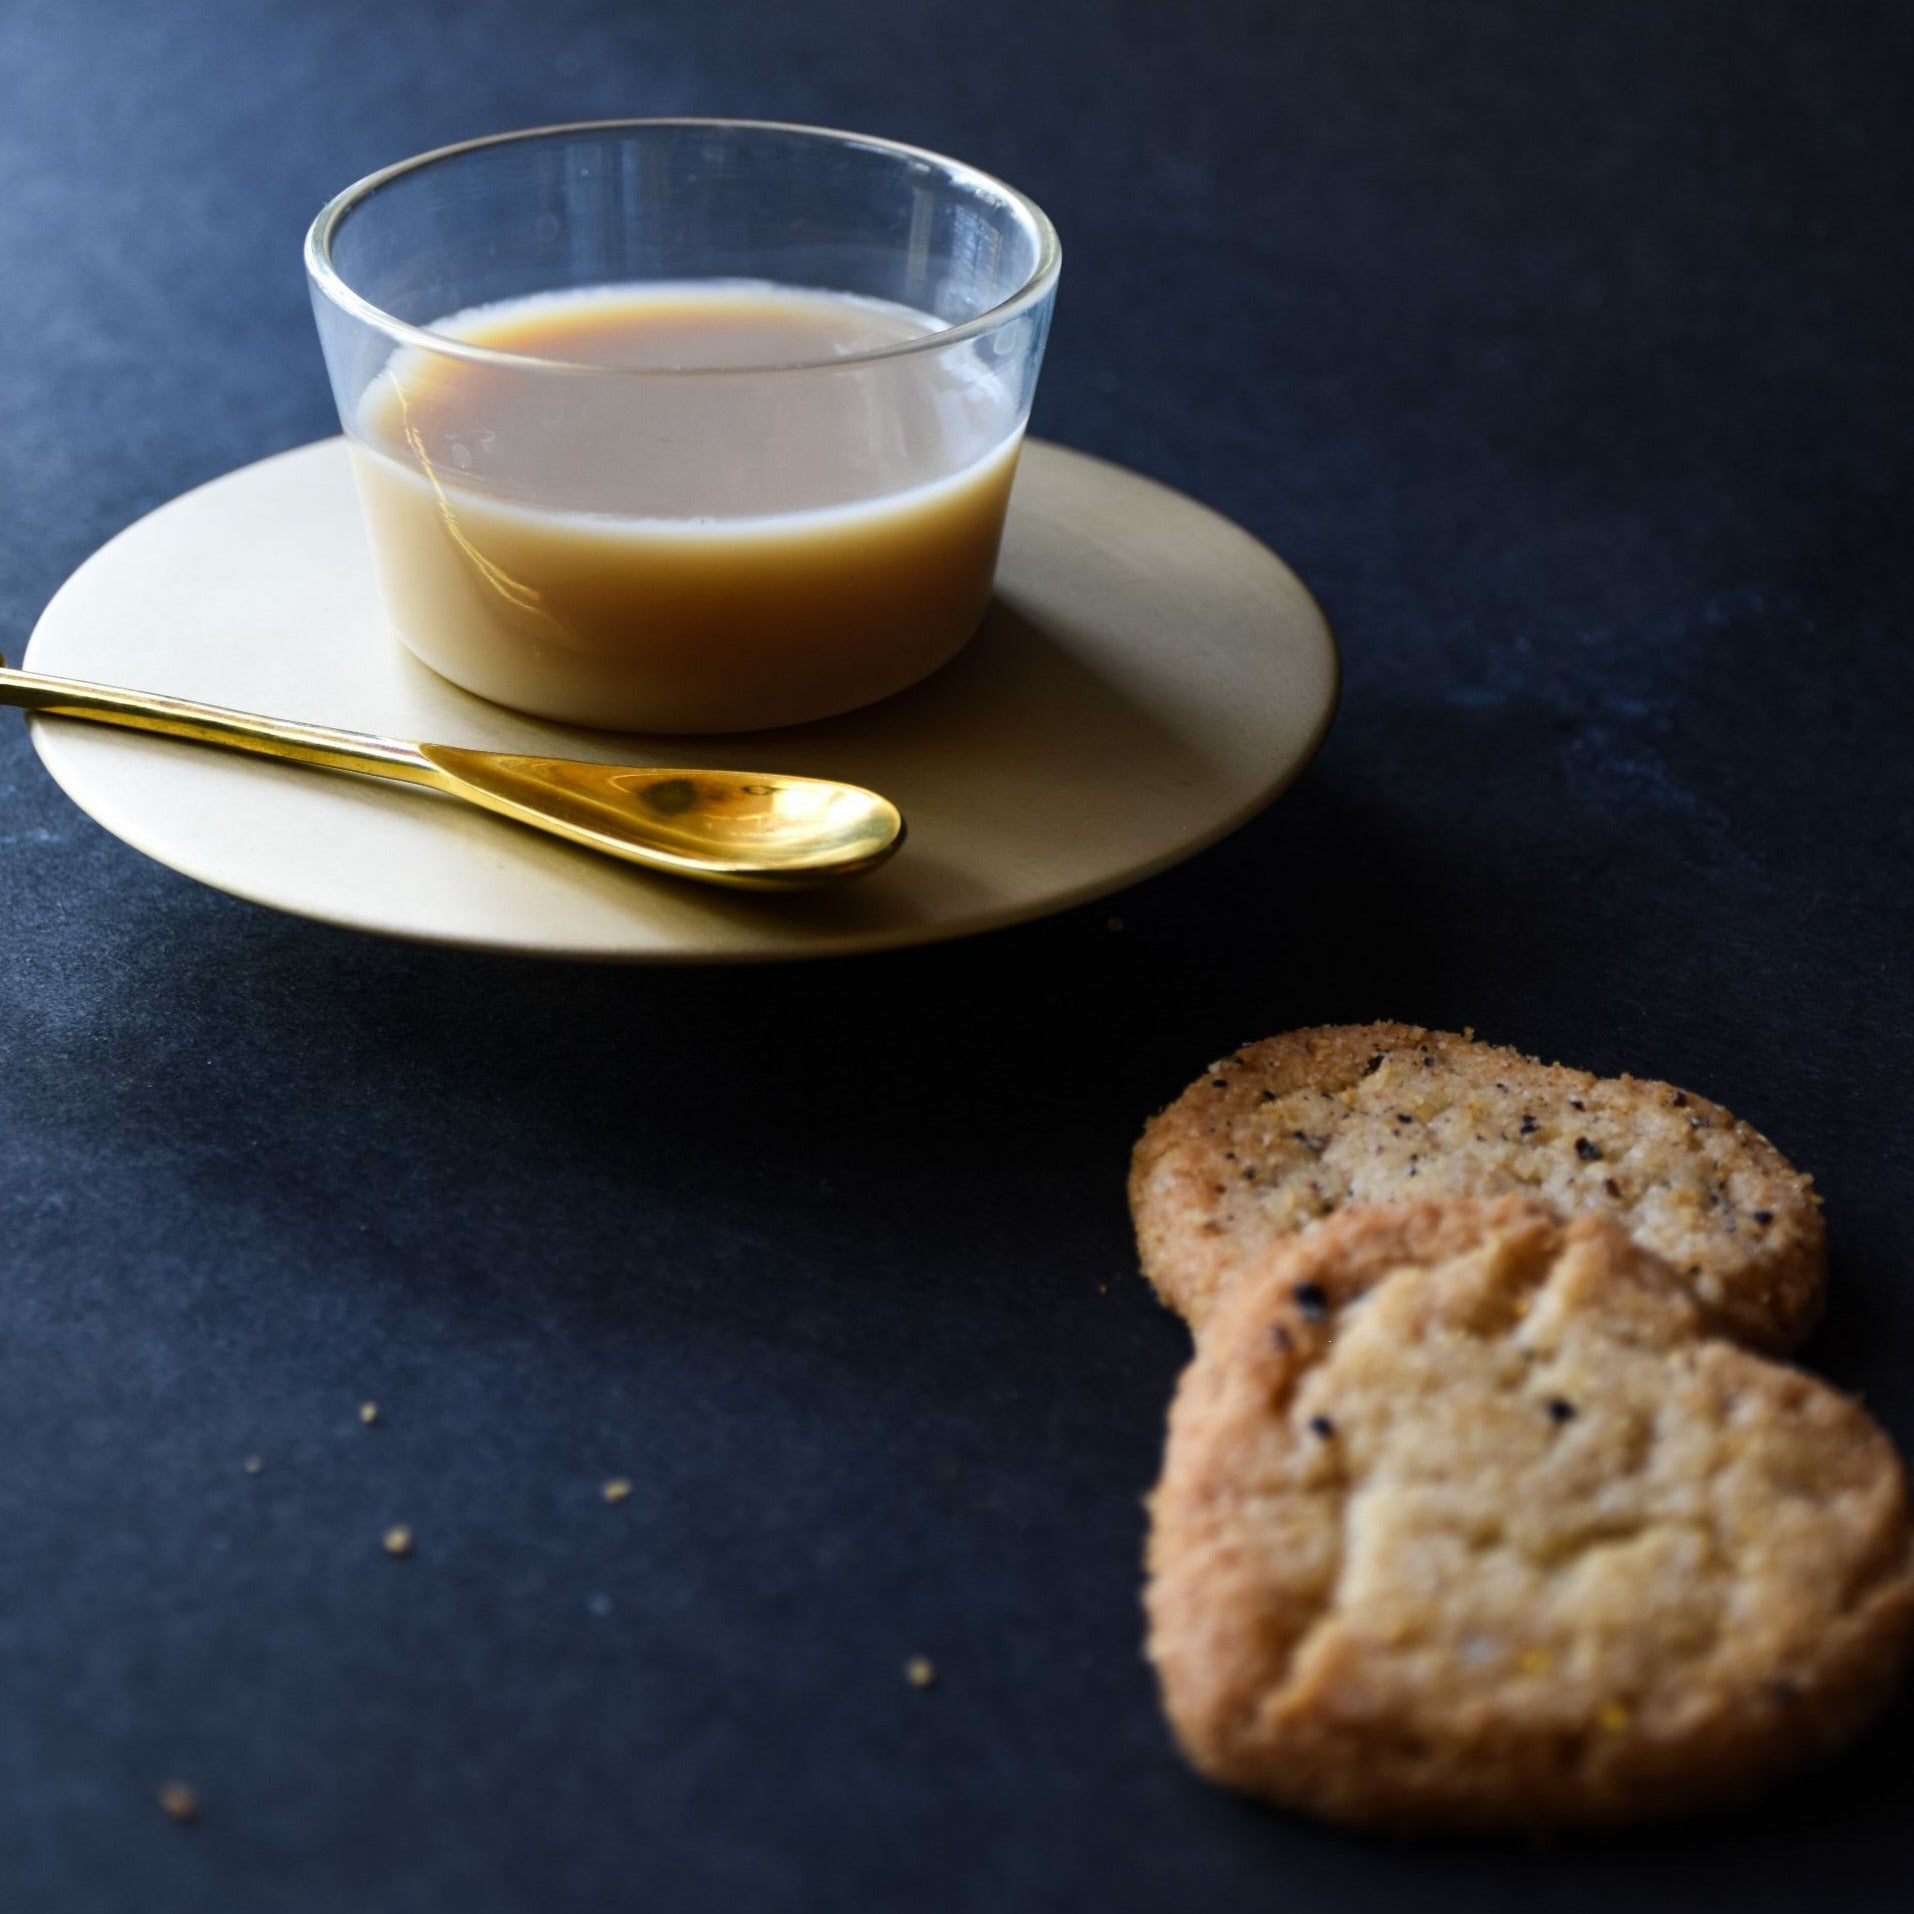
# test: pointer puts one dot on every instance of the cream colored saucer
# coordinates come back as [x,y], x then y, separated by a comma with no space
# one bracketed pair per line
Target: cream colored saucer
[1150,678]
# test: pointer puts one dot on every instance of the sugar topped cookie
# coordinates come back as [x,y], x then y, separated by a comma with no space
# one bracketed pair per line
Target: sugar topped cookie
[1468,1522]
[1298,1127]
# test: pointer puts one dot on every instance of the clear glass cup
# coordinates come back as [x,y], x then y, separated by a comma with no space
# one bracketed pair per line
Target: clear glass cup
[683,425]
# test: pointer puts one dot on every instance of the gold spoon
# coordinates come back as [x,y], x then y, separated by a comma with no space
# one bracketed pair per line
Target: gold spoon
[752,830]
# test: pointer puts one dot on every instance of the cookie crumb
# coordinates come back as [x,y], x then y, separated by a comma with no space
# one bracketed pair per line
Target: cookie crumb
[398,1539]
[253,1464]
[368,1413]
[618,1489]
[919,1671]
[1611,1717]
[178,1802]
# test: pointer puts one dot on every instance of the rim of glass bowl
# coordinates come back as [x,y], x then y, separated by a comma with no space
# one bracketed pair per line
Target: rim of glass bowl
[324,275]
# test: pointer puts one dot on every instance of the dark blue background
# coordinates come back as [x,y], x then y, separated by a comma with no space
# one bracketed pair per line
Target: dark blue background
[1561,346]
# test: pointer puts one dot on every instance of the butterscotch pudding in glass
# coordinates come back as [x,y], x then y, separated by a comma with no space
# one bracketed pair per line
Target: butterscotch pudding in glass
[610,484]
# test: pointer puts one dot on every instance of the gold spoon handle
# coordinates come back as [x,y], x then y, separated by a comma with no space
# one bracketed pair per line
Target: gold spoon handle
[214,724]
[753,830]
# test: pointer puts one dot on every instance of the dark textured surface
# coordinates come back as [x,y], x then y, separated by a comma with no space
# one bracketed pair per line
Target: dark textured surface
[1562,348]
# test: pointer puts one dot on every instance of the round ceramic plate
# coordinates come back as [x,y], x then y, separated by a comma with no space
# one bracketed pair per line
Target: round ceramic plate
[1149,678]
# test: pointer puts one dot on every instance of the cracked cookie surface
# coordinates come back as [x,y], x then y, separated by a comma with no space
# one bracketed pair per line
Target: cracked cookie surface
[1298,1127]
[1466,1522]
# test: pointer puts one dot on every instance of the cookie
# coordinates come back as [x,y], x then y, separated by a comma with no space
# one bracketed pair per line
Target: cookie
[1468,1522]
[1297,1127]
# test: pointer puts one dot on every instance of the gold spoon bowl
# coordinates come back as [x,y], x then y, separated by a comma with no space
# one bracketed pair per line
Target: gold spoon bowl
[748,830]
